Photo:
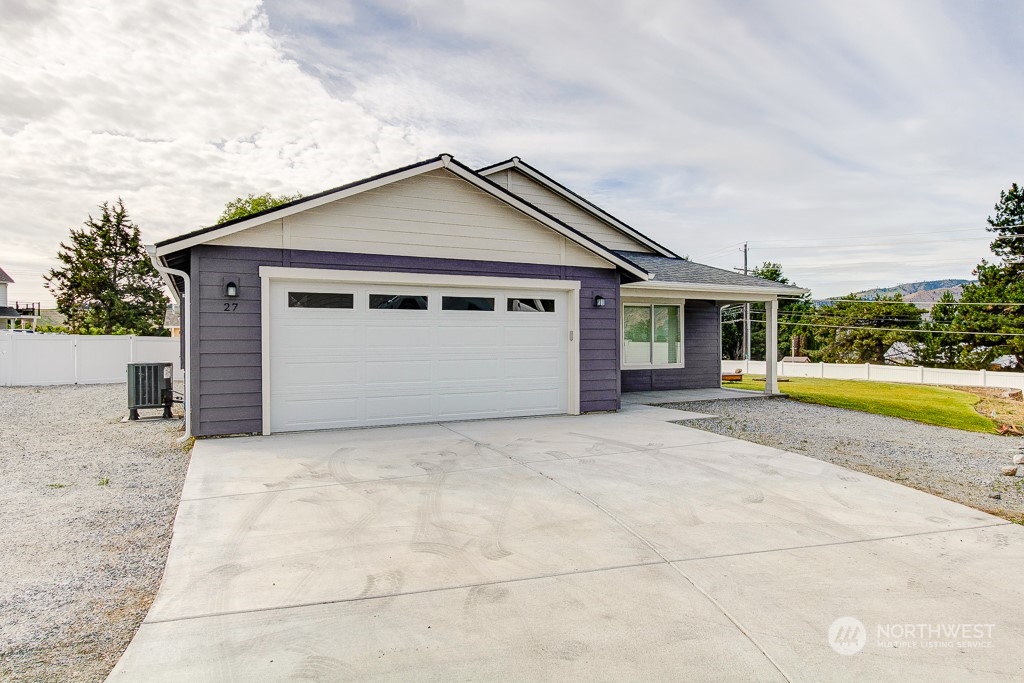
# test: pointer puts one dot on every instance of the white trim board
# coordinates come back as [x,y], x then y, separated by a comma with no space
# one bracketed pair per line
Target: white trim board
[270,273]
[427,279]
[694,290]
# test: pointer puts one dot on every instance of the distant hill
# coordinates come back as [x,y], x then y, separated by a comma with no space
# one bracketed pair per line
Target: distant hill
[919,292]
[923,292]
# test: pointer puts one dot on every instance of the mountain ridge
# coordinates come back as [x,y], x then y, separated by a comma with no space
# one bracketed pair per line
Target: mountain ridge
[925,291]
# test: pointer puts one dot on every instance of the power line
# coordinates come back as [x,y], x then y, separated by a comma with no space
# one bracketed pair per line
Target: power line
[868,237]
[860,247]
[892,329]
[988,229]
[913,303]
[719,251]
[863,262]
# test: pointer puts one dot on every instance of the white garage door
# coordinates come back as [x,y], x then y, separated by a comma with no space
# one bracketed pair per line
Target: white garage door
[350,355]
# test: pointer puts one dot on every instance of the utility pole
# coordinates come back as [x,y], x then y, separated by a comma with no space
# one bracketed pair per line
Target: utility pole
[746,314]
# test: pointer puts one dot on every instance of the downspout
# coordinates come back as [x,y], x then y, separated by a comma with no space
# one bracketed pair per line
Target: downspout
[167,273]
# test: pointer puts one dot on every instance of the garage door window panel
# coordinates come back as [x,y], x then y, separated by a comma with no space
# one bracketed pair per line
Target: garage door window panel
[531,305]
[320,300]
[467,303]
[401,302]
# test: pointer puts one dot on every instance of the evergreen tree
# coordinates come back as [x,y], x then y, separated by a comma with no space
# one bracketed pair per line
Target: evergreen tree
[1008,224]
[939,350]
[863,331]
[106,283]
[241,207]
[1000,288]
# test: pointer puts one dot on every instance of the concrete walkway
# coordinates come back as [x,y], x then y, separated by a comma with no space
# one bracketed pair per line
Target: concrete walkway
[602,547]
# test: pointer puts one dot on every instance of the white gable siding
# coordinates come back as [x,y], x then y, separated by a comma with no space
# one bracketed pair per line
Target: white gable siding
[566,211]
[434,215]
[269,235]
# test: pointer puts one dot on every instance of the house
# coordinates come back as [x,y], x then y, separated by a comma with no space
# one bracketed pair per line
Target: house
[5,280]
[437,292]
[15,315]
[172,320]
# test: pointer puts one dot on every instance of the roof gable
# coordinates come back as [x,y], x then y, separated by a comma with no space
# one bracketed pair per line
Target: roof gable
[432,215]
[5,278]
[265,220]
[572,205]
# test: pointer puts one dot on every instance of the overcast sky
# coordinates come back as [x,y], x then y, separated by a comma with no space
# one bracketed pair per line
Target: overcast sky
[859,144]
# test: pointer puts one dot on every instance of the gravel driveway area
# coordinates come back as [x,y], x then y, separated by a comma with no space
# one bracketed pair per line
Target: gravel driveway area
[954,464]
[86,507]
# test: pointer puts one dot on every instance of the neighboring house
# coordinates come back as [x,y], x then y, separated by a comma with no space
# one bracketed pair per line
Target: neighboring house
[15,315]
[5,280]
[435,292]
[172,320]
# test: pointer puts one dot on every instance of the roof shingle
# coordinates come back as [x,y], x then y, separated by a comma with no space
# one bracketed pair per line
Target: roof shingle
[666,269]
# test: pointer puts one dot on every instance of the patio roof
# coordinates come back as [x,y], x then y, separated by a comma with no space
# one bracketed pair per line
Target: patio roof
[684,272]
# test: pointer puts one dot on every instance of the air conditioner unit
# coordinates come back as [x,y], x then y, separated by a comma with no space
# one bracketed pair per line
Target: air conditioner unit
[149,386]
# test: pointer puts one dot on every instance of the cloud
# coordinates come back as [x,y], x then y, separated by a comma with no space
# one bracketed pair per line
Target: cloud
[177,108]
[717,123]
[794,126]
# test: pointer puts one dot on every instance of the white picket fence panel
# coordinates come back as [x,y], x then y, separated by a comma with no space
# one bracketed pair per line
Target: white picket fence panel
[902,374]
[44,359]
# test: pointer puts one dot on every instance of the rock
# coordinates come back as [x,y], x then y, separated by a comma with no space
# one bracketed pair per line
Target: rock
[1010,471]
[996,496]
[1018,459]
[1013,394]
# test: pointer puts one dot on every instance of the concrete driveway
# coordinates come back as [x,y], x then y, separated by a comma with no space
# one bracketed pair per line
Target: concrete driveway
[601,547]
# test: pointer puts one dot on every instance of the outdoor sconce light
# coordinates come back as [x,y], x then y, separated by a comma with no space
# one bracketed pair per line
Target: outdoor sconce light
[231,290]
[599,301]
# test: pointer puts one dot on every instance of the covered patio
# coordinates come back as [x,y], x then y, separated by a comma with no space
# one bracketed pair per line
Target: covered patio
[668,361]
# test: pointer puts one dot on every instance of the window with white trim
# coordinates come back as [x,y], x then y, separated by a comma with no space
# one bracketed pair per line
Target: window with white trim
[652,334]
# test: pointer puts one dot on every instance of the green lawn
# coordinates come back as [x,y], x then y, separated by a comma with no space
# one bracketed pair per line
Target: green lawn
[931,405]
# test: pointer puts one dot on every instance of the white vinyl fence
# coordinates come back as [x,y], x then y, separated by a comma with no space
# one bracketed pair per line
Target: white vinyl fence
[885,373]
[41,359]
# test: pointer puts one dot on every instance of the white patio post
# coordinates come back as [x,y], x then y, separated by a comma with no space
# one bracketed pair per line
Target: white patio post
[771,347]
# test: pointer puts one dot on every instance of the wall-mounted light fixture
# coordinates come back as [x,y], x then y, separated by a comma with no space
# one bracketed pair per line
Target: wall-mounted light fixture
[231,289]
[599,301]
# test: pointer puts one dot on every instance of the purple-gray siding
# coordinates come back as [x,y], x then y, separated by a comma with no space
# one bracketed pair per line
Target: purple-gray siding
[702,353]
[226,385]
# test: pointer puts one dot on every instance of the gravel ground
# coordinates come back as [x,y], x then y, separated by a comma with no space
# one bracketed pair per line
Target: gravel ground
[958,465]
[86,507]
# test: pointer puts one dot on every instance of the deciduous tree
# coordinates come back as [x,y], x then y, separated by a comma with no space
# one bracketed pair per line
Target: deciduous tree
[792,313]
[240,207]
